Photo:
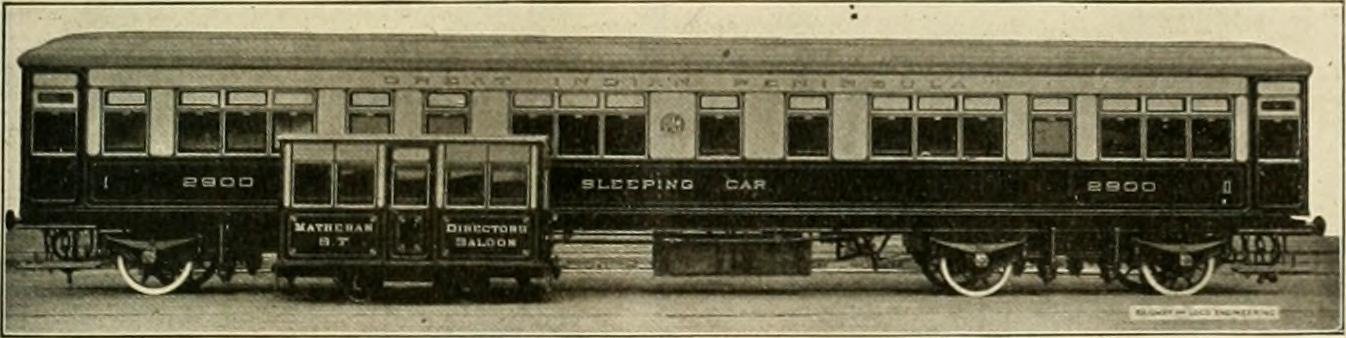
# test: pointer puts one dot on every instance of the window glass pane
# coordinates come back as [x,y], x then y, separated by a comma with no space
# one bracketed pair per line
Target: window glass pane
[807,135]
[410,184]
[1166,138]
[983,137]
[624,135]
[578,135]
[355,183]
[312,183]
[199,132]
[524,124]
[1211,138]
[291,123]
[369,124]
[719,135]
[509,184]
[1051,136]
[1120,137]
[245,132]
[891,136]
[54,132]
[1278,138]
[124,131]
[455,124]
[937,136]
[465,177]
[1121,105]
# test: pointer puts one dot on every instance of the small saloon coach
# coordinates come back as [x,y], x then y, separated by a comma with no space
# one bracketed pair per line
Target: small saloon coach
[182,156]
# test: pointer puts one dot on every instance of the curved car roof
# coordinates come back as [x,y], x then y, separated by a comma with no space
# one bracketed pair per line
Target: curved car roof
[647,54]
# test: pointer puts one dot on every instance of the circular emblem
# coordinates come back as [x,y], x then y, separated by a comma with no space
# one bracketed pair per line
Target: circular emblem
[672,124]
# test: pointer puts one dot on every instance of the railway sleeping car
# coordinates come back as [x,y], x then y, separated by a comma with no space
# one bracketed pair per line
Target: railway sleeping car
[1154,161]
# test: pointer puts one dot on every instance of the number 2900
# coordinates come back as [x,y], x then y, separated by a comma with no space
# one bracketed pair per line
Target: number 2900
[217,182]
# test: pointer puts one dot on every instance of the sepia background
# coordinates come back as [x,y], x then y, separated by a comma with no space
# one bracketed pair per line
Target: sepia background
[1309,31]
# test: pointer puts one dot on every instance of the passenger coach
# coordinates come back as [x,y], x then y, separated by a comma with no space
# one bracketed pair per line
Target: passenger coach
[1155,161]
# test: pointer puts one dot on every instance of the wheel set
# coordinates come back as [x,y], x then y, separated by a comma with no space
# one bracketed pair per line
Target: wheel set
[980,269]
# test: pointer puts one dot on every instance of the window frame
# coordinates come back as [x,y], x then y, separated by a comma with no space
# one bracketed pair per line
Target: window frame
[1188,114]
[1034,113]
[487,164]
[826,113]
[959,112]
[37,108]
[447,111]
[385,111]
[600,110]
[703,112]
[142,109]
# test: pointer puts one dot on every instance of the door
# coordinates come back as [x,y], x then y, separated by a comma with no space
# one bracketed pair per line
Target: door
[52,129]
[409,208]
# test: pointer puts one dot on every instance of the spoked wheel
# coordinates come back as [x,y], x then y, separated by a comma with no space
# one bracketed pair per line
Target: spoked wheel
[159,277]
[1169,275]
[359,287]
[964,274]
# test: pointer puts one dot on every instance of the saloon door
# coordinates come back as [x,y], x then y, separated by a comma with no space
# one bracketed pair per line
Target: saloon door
[489,194]
[409,209]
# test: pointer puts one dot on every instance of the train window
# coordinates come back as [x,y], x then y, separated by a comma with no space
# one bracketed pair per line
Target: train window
[1211,137]
[890,136]
[54,132]
[465,176]
[199,131]
[446,123]
[291,123]
[1164,105]
[355,183]
[1278,138]
[623,100]
[982,103]
[1120,105]
[807,135]
[411,184]
[719,126]
[1210,105]
[1120,137]
[245,132]
[446,100]
[411,177]
[937,136]
[578,134]
[807,126]
[1052,136]
[937,103]
[719,135]
[370,123]
[983,136]
[509,175]
[532,124]
[312,183]
[533,100]
[624,135]
[579,100]
[1051,104]
[891,103]
[355,175]
[125,130]
[1166,137]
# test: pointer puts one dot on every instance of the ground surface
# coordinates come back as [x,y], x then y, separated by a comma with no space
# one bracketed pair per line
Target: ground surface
[631,301]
